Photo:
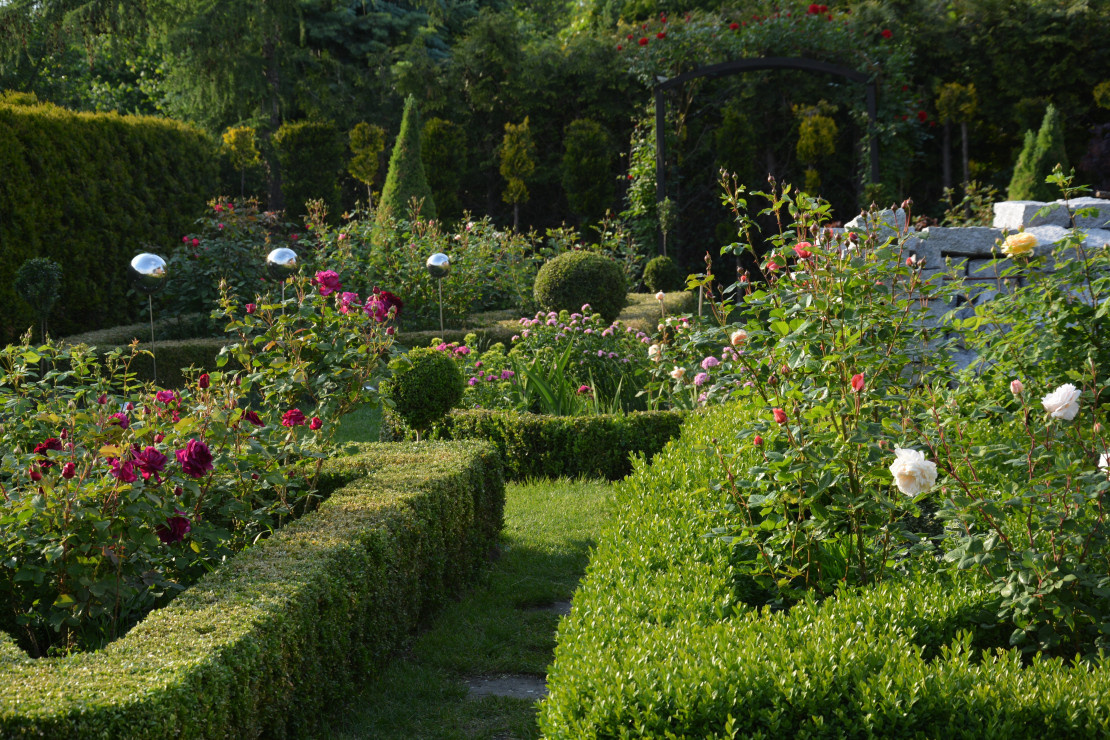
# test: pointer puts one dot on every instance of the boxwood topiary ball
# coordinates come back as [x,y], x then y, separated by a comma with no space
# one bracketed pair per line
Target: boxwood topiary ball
[662,274]
[575,278]
[426,384]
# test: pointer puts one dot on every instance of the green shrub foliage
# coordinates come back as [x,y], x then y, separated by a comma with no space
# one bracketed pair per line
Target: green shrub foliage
[426,384]
[261,646]
[367,143]
[89,191]
[1038,157]
[37,281]
[406,179]
[543,446]
[576,278]
[662,273]
[311,156]
[588,169]
[443,151]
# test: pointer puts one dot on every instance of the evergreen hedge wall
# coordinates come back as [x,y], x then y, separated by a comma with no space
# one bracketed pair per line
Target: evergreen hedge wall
[90,191]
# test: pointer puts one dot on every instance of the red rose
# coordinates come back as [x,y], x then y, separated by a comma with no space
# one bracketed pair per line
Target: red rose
[886,34]
[175,528]
[857,383]
[35,474]
[922,116]
[660,35]
[619,47]
[195,459]
[292,418]
[253,418]
[316,423]
[643,42]
[151,462]
[780,415]
[124,471]
[249,307]
[328,281]
[758,441]
[203,381]
[802,250]
[69,470]
[196,242]
[733,26]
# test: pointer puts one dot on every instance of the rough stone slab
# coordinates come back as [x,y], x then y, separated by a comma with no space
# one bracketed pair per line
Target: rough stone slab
[1046,237]
[937,242]
[517,686]
[886,223]
[1101,220]
[1013,215]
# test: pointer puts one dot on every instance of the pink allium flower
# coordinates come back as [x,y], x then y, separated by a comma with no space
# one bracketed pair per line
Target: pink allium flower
[709,362]
[700,379]
[472,382]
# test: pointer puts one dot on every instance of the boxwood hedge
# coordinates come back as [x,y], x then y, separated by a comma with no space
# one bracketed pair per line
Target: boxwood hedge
[541,446]
[263,645]
[90,190]
[657,644]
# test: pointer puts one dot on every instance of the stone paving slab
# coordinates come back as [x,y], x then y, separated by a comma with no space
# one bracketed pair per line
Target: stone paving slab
[513,685]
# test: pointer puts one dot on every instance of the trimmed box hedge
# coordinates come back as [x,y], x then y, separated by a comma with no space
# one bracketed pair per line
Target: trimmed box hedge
[90,190]
[541,446]
[264,645]
[658,644]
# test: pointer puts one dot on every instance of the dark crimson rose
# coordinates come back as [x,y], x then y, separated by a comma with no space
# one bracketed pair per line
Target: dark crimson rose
[175,528]
[195,459]
[253,418]
[69,470]
[124,471]
[292,418]
[151,462]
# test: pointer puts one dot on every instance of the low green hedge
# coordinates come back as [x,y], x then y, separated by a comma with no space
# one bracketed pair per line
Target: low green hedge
[265,644]
[659,646]
[540,446]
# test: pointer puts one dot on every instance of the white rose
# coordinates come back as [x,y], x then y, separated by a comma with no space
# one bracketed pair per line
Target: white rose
[913,474]
[655,353]
[659,296]
[1062,403]
[1104,461]
[678,372]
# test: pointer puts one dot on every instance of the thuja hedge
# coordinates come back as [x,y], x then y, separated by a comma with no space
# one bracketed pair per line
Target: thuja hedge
[90,191]
[542,446]
[265,644]
[658,646]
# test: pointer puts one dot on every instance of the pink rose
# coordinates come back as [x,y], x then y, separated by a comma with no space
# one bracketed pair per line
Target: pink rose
[250,307]
[316,423]
[151,462]
[328,281]
[780,415]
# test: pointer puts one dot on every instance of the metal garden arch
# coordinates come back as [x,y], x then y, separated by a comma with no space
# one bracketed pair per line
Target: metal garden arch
[751,65]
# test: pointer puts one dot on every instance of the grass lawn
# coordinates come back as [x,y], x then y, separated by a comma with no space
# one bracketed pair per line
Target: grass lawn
[494,630]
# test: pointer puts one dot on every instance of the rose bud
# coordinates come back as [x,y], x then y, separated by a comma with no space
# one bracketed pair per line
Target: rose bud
[69,470]
[203,381]
[35,474]
[158,438]
[758,441]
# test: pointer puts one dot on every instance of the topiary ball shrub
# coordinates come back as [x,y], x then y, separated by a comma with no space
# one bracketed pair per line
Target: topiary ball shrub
[576,278]
[426,384]
[662,273]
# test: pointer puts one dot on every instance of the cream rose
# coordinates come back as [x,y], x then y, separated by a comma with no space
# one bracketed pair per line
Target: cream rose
[1020,244]
[738,337]
[655,353]
[678,372]
[1062,403]
[913,474]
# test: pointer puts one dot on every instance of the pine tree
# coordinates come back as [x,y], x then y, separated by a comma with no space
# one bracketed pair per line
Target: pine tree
[406,180]
[1039,155]
[518,161]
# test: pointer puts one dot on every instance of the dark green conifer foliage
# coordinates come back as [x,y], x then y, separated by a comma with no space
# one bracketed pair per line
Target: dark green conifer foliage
[443,151]
[311,155]
[588,169]
[406,180]
[1039,155]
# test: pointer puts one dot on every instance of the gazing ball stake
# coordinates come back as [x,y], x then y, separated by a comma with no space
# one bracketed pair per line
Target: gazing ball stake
[148,276]
[439,267]
[282,264]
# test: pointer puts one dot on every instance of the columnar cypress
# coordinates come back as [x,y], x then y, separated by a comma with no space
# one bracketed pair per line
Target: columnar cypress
[405,179]
[1039,155]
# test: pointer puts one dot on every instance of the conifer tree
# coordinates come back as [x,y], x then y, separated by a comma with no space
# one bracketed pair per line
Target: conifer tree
[518,161]
[1039,155]
[443,150]
[367,143]
[405,179]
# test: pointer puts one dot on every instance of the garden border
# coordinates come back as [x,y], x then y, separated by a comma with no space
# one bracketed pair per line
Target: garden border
[266,643]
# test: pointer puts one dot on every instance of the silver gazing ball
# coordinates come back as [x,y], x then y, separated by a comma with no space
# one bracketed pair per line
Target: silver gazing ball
[147,273]
[439,265]
[281,263]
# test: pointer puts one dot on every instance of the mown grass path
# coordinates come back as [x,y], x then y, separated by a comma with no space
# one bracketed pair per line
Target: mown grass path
[504,627]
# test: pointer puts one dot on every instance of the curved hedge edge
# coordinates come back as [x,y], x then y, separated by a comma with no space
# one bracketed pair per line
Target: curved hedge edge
[264,645]
[542,446]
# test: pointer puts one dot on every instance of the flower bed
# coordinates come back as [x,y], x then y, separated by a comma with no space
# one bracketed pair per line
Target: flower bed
[658,643]
[539,445]
[262,645]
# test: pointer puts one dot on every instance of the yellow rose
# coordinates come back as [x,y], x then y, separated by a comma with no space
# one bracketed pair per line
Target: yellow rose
[1020,244]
